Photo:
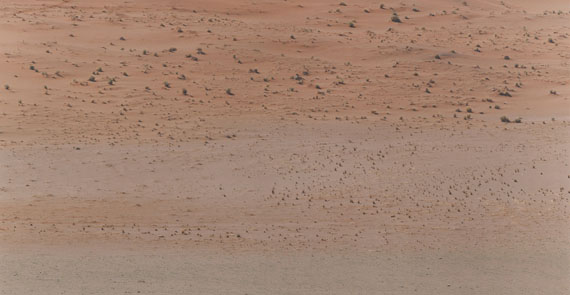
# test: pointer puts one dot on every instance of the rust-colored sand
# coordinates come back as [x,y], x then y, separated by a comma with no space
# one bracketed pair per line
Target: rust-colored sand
[284,147]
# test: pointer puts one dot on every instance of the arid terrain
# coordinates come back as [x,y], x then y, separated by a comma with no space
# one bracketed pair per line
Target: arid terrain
[284,147]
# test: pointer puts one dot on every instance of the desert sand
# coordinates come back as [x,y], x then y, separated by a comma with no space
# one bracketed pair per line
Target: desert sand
[284,147]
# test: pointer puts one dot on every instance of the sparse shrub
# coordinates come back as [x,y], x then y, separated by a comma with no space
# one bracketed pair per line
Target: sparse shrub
[505,119]
[229,91]
[172,49]
[7,87]
[91,79]
[469,110]
[184,92]
[166,84]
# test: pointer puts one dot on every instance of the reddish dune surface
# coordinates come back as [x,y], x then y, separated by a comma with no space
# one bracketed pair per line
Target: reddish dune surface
[284,147]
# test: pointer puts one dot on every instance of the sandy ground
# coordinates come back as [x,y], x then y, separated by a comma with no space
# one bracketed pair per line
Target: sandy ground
[284,147]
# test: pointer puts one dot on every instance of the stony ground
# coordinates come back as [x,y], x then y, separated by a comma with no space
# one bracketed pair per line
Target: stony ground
[284,147]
